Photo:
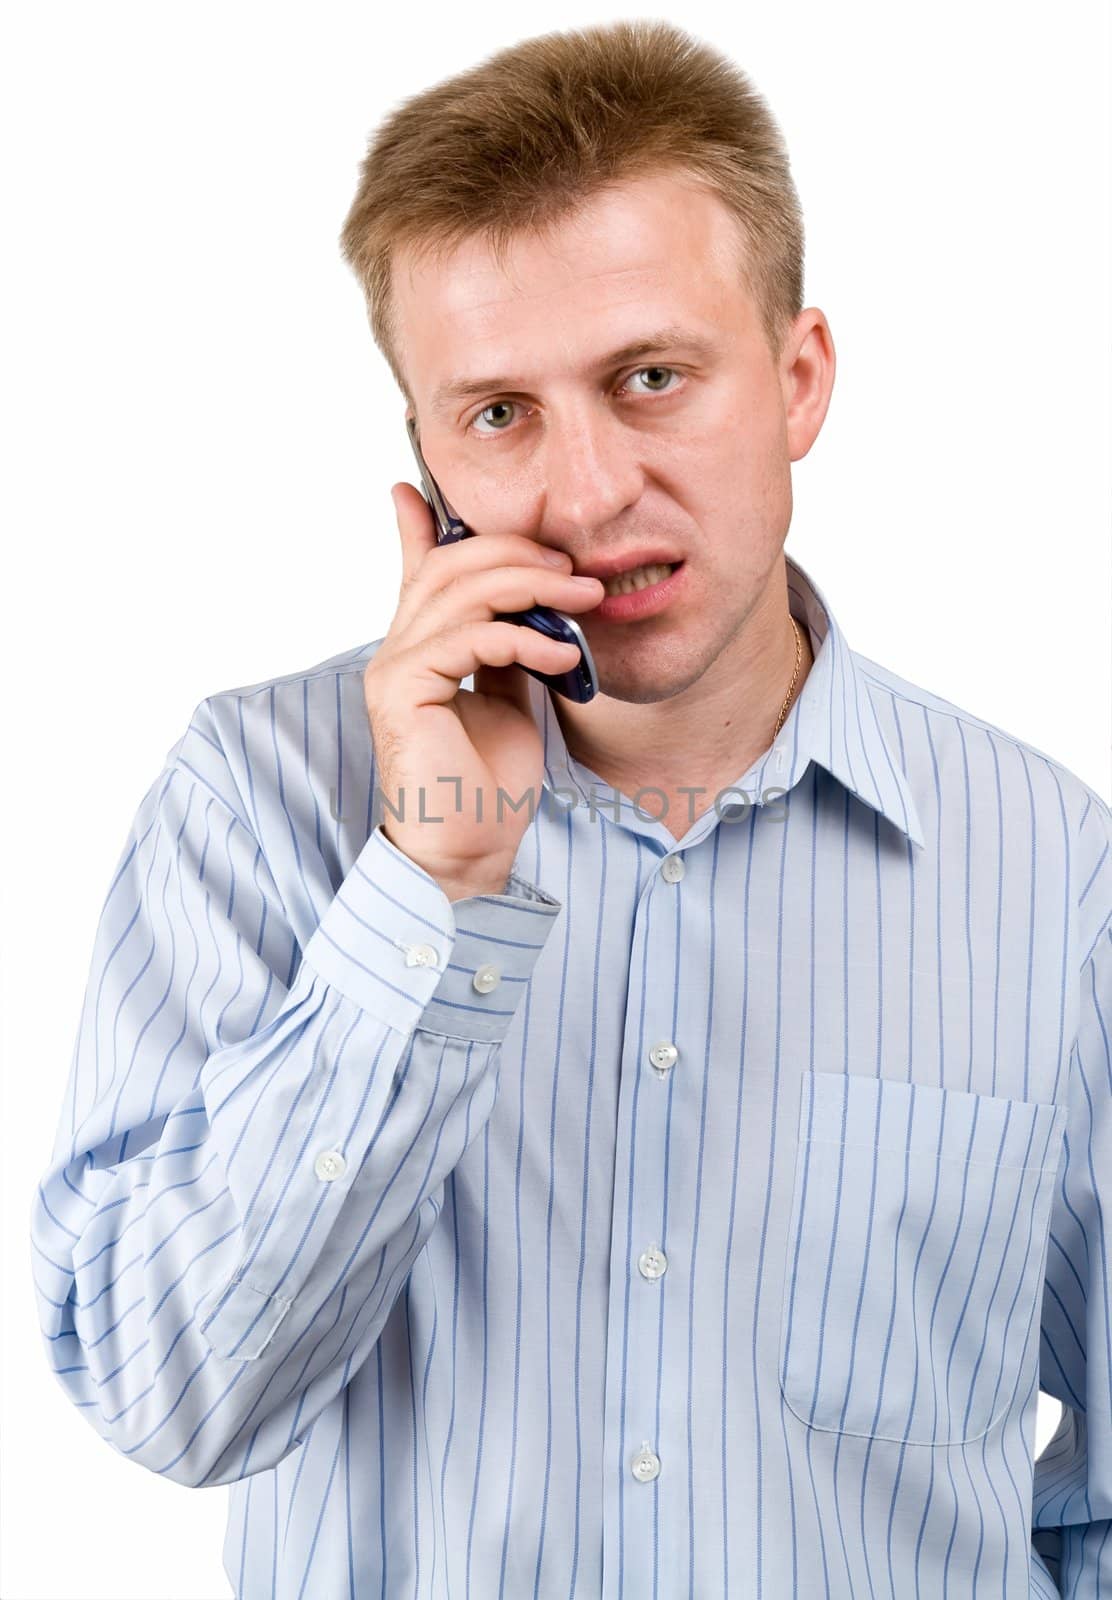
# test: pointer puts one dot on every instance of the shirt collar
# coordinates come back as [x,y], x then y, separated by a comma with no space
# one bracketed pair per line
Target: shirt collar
[833,722]
[838,723]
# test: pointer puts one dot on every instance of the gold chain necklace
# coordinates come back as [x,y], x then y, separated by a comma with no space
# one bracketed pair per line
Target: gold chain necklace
[795,674]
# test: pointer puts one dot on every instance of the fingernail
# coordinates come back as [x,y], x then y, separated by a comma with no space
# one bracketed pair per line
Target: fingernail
[555,559]
[578,579]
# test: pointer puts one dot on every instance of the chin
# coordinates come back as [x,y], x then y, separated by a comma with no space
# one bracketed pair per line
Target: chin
[649,683]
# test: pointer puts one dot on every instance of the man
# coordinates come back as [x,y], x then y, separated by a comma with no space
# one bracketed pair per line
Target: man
[682,1184]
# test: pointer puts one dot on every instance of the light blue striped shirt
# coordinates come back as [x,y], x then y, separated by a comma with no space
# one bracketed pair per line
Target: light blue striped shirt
[699,1217]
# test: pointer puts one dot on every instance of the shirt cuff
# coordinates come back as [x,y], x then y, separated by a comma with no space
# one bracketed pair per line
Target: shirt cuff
[393,942]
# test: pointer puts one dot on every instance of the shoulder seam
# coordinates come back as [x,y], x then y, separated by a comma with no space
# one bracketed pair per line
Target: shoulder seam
[249,691]
[971,720]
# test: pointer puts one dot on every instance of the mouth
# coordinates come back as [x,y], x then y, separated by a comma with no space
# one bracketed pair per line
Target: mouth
[627,563]
[635,579]
[639,592]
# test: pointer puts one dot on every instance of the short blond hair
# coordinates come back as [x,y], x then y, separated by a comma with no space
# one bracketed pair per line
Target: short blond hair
[523,139]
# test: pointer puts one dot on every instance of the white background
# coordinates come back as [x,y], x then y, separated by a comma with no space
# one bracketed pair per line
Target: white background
[202,438]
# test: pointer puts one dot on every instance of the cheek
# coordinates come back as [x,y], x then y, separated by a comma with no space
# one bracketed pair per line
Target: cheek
[758,450]
[725,474]
[737,439]
[742,506]
[499,493]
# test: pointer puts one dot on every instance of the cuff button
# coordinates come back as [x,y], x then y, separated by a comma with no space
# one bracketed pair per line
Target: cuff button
[487,977]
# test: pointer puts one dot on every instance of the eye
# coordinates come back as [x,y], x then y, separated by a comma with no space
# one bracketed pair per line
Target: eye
[656,372]
[506,407]
[498,405]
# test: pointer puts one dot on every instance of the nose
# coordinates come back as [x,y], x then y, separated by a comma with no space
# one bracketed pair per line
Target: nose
[590,471]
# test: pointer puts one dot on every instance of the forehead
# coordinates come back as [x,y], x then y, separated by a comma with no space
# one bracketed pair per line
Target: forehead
[649,252]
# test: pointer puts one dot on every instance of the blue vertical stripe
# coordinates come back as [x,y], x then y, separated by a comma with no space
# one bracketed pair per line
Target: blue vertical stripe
[719,1248]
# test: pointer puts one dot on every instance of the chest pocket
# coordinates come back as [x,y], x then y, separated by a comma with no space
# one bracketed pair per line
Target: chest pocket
[914,1255]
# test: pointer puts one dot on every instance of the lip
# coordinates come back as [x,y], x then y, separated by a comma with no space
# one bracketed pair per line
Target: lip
[650,556]
[645,602]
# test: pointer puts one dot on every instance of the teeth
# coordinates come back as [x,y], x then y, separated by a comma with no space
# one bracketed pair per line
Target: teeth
[639,578]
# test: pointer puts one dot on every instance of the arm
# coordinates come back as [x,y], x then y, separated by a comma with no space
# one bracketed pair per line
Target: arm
[1072,1498]
[253,1148]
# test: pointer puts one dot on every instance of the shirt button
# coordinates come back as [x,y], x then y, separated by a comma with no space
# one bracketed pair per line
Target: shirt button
[421,955]
[663,1055]
[329,1164]
[646,1464]
[652,1263]
[487,977]
[672,869]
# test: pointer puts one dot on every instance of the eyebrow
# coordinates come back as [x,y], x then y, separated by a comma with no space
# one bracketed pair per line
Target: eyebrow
[669,338]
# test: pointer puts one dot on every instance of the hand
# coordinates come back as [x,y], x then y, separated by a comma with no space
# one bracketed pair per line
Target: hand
[426,728]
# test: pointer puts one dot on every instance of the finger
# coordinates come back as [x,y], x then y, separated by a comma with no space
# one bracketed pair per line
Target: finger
[416,527]
[512,683]
[437,666]
[493,592]
[504,683]
[447,563]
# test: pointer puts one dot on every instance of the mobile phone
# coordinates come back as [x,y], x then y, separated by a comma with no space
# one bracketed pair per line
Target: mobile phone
[579,682]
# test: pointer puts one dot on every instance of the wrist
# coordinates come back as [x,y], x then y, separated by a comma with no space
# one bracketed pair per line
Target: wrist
[456,890]
[459,879]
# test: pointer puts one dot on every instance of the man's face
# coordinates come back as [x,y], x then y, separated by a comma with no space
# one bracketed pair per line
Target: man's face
[682,447]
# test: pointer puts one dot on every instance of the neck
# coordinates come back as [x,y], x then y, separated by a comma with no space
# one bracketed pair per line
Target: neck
[707,736]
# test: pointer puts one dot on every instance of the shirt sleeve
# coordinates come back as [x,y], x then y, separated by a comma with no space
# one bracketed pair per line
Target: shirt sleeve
[254,1140]
[1072,1494]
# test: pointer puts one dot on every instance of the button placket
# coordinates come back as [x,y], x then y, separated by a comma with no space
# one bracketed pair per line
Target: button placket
[643,1121]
